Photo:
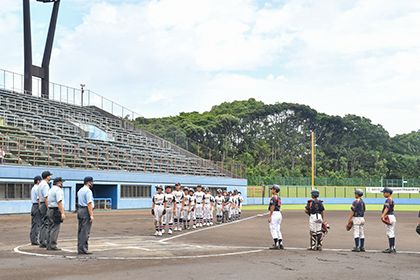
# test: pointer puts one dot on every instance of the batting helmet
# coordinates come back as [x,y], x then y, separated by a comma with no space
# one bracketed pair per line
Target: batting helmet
[359,192]
[315,193]
[387,190]
[275,187]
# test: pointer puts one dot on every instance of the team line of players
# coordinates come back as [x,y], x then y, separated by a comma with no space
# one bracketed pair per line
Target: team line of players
[189,209]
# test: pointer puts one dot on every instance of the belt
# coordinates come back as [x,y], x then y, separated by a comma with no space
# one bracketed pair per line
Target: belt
[35,203]
[219,203]
[186,204]
[42,202]
[53,207]
[82,206]
[199,203]
[158,204]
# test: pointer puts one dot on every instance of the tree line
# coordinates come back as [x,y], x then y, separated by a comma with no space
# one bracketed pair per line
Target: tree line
[275,140]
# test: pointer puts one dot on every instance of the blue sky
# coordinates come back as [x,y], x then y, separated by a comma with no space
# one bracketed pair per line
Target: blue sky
[163,57]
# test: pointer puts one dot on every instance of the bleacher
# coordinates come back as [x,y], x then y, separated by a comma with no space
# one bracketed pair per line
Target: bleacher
[41,132]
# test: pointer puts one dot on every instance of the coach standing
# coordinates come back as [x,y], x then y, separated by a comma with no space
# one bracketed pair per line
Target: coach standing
[85,215]
[55,213]
[43,190]
[35,214]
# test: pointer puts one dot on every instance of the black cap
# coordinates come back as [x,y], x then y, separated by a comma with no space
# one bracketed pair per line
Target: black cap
[58,179]
[37,178]
[177,184]
[88,179]
[45,174]
[387,190]
[168,187]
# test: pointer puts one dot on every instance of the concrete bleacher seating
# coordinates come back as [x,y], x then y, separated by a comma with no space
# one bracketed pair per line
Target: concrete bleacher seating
[41,132]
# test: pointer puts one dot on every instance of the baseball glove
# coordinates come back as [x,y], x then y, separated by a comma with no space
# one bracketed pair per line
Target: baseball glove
[418,229]
[153,212]
[164,211]
[386,220]
[349,225]
[325,227]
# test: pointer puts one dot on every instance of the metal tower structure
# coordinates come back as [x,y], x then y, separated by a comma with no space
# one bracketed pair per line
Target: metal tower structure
[31,70]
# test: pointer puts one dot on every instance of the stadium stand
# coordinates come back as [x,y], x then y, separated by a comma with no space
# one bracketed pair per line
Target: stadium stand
[43,132]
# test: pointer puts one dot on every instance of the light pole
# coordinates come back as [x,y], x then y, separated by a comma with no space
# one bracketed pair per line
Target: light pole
[83,91]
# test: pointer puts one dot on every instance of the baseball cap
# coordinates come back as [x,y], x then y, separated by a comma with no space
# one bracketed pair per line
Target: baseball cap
[45,174]
[37,178]
[88,179]
[387,190]
[58,179]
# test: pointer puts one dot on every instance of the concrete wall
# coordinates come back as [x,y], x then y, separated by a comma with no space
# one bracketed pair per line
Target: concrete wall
[109,180]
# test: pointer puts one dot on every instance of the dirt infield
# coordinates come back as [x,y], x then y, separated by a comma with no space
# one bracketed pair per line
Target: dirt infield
[124,248]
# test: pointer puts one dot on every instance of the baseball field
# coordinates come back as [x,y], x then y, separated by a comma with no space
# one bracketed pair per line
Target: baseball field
[124,248]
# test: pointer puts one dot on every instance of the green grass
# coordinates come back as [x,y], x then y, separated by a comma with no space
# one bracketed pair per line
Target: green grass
[346,207]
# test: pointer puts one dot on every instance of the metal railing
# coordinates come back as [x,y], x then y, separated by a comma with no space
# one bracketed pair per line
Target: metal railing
[14,82]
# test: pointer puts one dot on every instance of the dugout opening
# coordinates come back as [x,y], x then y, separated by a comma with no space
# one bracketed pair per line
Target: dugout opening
[103,191]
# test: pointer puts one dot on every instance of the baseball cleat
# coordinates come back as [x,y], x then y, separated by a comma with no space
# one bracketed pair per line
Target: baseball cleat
[159,233]
[362,249]
[389,250]
[170,231]
[194,227]
[281,246]
[319,248]
[200,225]
[156,233]
[179,229]
[208,224]
[355,249]
[188,227]
[163,231]
[211,223]
[274,247]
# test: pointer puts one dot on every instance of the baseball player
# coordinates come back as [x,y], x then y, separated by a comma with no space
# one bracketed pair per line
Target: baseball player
[219,199]
[184,212]
[179,206]
[208,204]
[226,206]
[211,208]
[241,199]
[199,205]
[236,209]
[315,209]
[388,210]
[158,209]
[191,210]
[168,218]
[231,206]
[357,214]
[275,218]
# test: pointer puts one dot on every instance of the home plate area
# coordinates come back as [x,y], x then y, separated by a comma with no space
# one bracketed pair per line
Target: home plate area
[136,247]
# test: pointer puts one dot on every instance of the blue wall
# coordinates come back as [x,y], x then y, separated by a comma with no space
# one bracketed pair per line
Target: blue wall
[109,185]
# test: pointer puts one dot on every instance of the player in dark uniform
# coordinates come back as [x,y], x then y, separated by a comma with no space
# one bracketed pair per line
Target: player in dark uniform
[275,218]
[357,215]
[388,210]
[315,209]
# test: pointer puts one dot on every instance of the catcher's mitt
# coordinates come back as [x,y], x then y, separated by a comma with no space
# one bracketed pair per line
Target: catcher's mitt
[325,227]
[349,225]
[386,220]
[418,229]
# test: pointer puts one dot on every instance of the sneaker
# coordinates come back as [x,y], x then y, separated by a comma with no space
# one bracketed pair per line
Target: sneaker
[281,247]
[188,227]
[355,249]
[179,229]
[159,233]
[175,228]
[162,231]
[362,249]
[274,247]
[201,224]
[156,233]
[208,224]
[211,223]
[389,250]
[194,227]
[170,231]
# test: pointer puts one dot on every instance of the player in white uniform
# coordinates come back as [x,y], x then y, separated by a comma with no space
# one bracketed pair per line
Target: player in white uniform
[236,211]
[208,204]
[191,212]
[241,199]
[170,205]
[184,212]
[231,206]
[199,206]
[219,199]
[179,206]
[211,208]
[226,206]
[158,209]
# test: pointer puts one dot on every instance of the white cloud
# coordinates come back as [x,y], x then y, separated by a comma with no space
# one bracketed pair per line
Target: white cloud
[338,57]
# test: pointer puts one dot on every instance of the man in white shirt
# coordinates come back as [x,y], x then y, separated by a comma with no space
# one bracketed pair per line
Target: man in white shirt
[55,213]
[35,214]
[43,190]
[85,215]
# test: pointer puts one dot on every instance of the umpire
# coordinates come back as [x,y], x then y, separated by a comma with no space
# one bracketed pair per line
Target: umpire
[35,214]
[55,213]
[43,190]
[85,215]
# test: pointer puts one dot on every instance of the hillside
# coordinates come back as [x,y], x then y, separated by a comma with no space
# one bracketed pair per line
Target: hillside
[275,139]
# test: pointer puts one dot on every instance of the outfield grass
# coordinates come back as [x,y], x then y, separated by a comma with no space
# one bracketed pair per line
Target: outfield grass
[346,207]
